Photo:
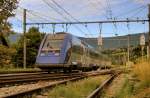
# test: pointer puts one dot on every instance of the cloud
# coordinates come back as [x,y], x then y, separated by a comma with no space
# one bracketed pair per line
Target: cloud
[77,8]
[80,9]
[142,1]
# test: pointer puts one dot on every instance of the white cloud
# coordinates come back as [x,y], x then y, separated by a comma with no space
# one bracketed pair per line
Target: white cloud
[80,9]
[142,1]
[77,8]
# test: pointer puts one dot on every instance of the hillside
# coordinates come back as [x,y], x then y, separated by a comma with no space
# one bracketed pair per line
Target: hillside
[116,42]
[108,42]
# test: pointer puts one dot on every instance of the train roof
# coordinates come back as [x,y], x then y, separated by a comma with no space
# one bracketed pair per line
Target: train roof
[57,36]
[61,35]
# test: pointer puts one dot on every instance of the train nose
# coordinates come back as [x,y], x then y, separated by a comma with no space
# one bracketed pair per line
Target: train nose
[48,60]
[51,57]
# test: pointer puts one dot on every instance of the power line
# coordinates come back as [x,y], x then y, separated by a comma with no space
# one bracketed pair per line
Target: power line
[64,10]
[109,9]
[49,5]
[130,11]
[69,14]
[37,14]
[96,22]
[138,11]
[96,8]
[62,14]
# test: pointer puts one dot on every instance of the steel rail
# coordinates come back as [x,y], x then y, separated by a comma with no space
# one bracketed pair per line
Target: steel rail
[32,75]
[37,90]
[97,92]
[15,81]
[30,92]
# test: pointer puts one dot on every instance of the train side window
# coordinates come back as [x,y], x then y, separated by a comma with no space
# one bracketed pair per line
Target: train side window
[43,54]
[49,46]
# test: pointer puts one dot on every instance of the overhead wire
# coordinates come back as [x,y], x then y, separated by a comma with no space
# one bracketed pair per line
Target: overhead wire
[52,7]
[31,19]
[49,5]
[42,17]
[96,7]
[130,11]
[68,14]
[111,14]
[138,11]
[37,14]
[109,10]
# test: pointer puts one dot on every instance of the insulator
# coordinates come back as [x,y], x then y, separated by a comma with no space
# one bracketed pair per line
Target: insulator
[100,41]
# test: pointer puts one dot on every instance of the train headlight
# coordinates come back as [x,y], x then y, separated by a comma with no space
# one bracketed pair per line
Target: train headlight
[74,63]
[56,54]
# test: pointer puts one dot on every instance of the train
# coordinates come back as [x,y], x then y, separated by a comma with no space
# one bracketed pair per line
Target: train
[65,52]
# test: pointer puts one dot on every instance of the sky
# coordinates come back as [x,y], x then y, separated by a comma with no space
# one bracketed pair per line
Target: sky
[83,10]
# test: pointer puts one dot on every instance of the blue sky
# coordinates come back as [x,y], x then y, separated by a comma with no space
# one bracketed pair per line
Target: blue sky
[84,10]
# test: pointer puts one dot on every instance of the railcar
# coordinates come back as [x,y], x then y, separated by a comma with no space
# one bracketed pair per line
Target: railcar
[64,51]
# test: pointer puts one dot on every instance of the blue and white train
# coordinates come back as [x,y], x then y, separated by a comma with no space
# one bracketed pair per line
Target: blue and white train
[63,51]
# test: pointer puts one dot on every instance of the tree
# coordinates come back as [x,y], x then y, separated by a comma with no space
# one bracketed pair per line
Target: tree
[6,55]
[6,10]
[34,38]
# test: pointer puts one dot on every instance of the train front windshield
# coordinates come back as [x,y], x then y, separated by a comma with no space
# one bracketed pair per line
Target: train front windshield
[54,44]
[51,47]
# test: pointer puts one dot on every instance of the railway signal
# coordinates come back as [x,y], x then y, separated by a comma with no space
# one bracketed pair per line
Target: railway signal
[100,41]
[142,40]
[142,43]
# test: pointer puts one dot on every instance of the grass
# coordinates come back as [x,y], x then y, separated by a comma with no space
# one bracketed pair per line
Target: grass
[126,91]
[79,89]
[142,71]
[134,89]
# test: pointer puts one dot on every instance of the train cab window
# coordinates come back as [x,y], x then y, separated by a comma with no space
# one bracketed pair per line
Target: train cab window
[43,54]
[54,44]
[51,48]
[50,53]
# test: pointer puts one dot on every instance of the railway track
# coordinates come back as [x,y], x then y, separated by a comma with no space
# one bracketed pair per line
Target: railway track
[9,80]
[21,78]
[72,77]
[98,91]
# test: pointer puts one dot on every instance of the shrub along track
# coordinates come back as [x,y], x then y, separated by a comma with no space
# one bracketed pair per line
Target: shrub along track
[38,87]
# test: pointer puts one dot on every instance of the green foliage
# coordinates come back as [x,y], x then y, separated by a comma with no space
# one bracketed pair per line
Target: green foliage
[79,89]
[3,41]
[136,53]
[34,38]
[142,70]
[126,91]
[6,10]
[6,55]
[118,56]
[77,49]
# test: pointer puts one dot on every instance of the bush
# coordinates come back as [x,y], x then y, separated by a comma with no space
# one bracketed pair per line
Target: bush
[34,38]
[142,70]
[79,89]
[6,55]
